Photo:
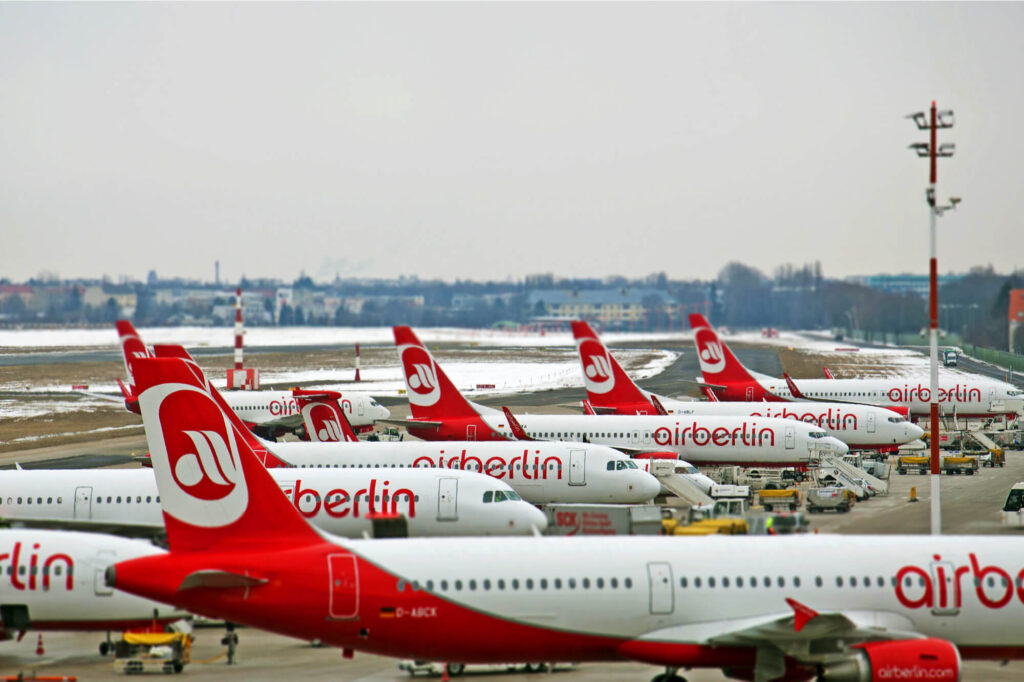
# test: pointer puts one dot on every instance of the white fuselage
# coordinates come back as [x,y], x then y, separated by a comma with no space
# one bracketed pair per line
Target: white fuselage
[540,472]
[859,426]
[260,407]
[701,440]
[54,575]
[961,589]
[967,396]
[340,501]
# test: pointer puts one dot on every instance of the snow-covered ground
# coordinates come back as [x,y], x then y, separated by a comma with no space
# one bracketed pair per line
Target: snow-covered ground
[190,337]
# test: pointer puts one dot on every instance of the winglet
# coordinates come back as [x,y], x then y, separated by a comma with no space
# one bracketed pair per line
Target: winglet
[588,408]
[709,393]
[792,386]
[801,614]
[659,408]
[828,373]
[514,426]
[131,401]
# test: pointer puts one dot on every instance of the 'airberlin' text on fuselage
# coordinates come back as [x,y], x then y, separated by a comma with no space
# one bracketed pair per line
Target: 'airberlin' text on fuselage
[833,419]
[923,394]
[747,434]
[338,503]
[498,467]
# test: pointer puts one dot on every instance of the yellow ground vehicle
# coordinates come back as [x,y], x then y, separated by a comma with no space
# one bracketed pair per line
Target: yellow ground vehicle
[921,464]
[960,465]
[140,652]
[776,499]
[820,499]
[722,526]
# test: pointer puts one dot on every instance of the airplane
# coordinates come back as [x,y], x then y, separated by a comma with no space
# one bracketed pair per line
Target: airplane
[270,412]
[53,580]
[440,412]
[540,473]
[960,396]
[611,391]
[341,501]
[323,417]
[832,607]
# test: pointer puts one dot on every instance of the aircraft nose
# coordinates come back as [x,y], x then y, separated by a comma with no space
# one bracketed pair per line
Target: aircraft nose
[646,486]
[384,412]
[838,447]
[913,431]
[525,517]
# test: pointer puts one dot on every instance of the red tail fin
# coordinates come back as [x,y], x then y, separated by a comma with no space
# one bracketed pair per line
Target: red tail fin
[717,363]
[658,407]
[432,395]
[514,426]
[828,373]
[793,388]
[268,458]
[588,408]
[131,347]
[214,489]
[607,383]
[324,417]
[710,394]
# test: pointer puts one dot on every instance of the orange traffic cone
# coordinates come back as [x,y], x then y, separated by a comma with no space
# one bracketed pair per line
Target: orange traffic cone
[39,645]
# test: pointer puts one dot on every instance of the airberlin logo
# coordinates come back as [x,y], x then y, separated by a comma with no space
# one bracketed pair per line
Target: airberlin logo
[597,367]
[421,376]
[201,469]
[709,351]
[323,423]
[943,586]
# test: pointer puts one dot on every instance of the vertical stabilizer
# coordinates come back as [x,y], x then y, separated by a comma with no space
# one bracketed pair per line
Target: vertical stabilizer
[214,490]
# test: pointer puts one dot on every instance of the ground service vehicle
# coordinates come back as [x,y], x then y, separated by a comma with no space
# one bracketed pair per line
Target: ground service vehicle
[160,652]
[822,499]
[785,498]
[960,465]
[949,358]
[916,463]
[602,519]
[1013,508]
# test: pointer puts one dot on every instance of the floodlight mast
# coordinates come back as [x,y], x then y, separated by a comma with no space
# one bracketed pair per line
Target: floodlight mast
[932,122]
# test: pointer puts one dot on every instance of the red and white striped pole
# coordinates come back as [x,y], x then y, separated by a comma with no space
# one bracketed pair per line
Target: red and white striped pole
[357,362]
[238,328]
[933,332]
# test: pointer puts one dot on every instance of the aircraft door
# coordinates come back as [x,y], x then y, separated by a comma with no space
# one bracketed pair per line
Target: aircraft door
[577,467]
[83,503]
[343,572]
[659,574]
[471,432]
[871,422]
[750,394]
[362,406]
[635,438]
[104,558]
[790,437]
[447,499]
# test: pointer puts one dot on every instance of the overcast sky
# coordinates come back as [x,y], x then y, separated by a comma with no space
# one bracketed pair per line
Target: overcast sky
[488,141]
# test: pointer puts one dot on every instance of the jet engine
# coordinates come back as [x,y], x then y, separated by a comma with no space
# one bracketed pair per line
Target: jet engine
[887,661]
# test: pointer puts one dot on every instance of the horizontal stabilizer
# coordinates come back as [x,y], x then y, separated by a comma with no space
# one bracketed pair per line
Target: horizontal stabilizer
[218,580]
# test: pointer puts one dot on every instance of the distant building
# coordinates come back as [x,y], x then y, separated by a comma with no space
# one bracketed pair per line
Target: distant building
[609,307]
[900,284]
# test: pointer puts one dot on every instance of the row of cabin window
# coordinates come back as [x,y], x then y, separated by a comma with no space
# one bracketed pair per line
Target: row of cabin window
[518,467]
[99,500]
[58,569]
[364,498]
[780,581]
[515,584]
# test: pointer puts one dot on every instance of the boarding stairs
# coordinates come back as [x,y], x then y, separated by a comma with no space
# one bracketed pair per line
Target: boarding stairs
[678,484]
[986,442]
[846,475]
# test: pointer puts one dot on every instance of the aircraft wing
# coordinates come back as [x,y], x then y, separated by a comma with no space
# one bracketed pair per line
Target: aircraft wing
[803,635]
[290,421]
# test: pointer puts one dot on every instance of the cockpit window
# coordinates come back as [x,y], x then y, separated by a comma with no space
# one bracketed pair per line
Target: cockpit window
[488,496]
[499,496]
[1015,393]
[896,420]
[817,434]
[621,464]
